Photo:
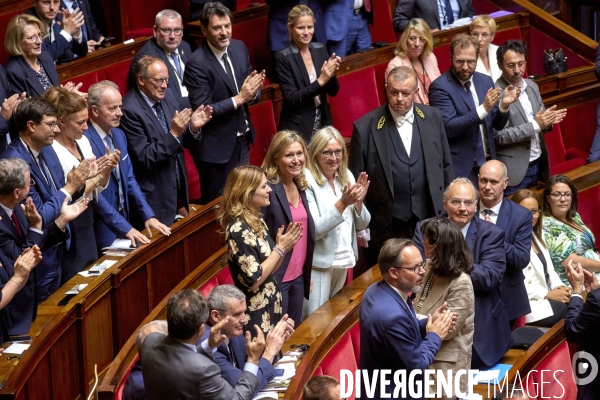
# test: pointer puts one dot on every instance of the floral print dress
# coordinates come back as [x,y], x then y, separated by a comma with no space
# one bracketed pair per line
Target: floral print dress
[563,240]
[247,251]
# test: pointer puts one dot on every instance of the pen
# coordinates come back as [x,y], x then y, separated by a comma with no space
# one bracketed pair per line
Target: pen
[12,358]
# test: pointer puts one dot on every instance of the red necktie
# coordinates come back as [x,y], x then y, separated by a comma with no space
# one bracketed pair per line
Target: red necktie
[367,5]
[13,217]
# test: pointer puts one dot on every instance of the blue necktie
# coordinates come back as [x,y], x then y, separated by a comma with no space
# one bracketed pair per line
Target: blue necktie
[160,114]
[111,147]
[177,64]
[449,12]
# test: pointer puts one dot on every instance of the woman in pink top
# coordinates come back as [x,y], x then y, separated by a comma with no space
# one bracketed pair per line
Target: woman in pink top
[415,49]
[284,167]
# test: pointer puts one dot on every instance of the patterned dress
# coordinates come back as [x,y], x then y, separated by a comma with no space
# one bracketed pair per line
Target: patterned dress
[247,251]
[563,240]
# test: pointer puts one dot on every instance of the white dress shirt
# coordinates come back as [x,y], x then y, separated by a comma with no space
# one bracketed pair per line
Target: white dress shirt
[404,124]
[493,215]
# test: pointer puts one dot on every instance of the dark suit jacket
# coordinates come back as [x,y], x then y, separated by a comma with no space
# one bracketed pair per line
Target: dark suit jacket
[92,31]
[208,84]
[337,15]
[171,370]
[135,201]
[151,48]
[153,153]
[5,93]
[390,337]
[513,143]
[370,153]
[298,109]
[61,49]
[6,317]
[278,213]
[581,326]
[492,333]
[278,34]
[134,386]
[515,221]
[461,120]
[426,9]
[22,78]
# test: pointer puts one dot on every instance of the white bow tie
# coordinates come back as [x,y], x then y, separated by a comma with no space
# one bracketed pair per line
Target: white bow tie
[402,119]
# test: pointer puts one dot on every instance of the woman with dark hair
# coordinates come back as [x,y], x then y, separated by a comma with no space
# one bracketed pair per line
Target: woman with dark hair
[447,280]
[548,297]
[565,234]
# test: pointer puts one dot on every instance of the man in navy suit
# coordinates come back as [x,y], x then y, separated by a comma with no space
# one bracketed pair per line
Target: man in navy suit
[156,132]
[168,46]
[278,34]
[36,122]
[469,105]
[515,221]
[63,28]
[391,336]
[219,74]
[491,339]
[90,32]
[123,192]
[347,25]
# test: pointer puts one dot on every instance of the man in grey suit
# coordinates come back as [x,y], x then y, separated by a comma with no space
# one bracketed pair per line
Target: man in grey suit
[175,368]
[521,145]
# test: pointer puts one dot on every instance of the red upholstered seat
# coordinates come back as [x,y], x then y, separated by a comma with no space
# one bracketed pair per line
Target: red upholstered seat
[192,176]
[556,384]
[118,73]
[442,53]
[209,286]
[4,18]
[380,80]
[87,79]
[505,35]
[588,207]
[254,35]
[383,29]
[520,322]
[579,128]
[347,107]
[355,337]
[341,356]
[119,391]
[557,154]
[224,276]
[136,33]
[263,119]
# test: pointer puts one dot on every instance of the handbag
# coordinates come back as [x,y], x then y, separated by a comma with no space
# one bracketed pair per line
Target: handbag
[555,61]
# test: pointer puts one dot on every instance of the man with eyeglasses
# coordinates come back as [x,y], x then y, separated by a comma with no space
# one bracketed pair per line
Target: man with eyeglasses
[169,47]
[157,130]
[520,145]
[492,338]
[391,335]
[402,146]
[470,107]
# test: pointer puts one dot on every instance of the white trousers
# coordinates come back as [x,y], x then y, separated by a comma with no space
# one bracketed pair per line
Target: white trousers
[326,282]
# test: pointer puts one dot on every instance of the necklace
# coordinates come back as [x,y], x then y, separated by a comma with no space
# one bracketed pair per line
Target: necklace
[422,82]
[425,292]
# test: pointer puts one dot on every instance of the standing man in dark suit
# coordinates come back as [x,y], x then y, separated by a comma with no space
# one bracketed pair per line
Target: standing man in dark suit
[436,17]
[169,47]
[469,105]
[515,221]
[173,367]
[123,193]
[156,133]
[582,323]
[391,336]
[491,339]
[91,33]
[402,146]
[347,25]
[520,145]
[219,74]
[278,34]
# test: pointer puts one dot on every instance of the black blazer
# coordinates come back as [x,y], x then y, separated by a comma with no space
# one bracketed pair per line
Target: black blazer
[5,93]
[91,30]
[278,213]
[21,76]
[298,109]
[151,48]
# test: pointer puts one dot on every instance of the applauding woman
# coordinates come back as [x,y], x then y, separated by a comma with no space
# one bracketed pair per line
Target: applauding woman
[335,201]
[253,255]
[306,76]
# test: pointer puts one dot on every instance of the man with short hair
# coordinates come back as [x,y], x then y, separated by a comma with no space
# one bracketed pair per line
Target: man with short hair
[167,44]
[219,74]
[123,193]
[492,338]
[520,145]
[515,221]
[322,387]
[63,27]
[389,325]
[403,148]
[157,130]
[174,367]
[470,108]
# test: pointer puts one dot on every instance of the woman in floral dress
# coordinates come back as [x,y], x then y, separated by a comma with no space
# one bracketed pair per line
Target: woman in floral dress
[253,257]
[565,234]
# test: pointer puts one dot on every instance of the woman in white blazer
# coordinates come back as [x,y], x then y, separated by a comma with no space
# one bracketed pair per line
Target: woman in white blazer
[548,297]
[335,203]
[483,29]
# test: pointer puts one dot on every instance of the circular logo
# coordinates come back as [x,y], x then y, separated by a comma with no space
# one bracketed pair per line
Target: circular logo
[585,367]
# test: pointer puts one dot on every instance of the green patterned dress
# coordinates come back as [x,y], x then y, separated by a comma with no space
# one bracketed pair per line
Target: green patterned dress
[563,240]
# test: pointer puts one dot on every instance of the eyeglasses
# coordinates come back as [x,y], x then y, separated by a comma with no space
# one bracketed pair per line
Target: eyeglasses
[414,269]
[466,203]
[470,63]
[34,38]
[330,153]
[484,36]
[559,195]
[415,39]
[169,32]
[31,182]
[160,81]
[51,125]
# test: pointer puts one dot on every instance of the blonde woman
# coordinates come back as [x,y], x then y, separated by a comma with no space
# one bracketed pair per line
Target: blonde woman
[336,204]
[483,29]
[415,50]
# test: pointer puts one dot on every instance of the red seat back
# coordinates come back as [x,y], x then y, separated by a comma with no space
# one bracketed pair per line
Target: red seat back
[380,80]
[556,153]
[119,74]
[119,391]
[4,18]
[382,29]
[579,126]
[341,356]
[254,35]
[556,384]
[224,276]
[263,119]
[588,203]
[442,53]
[193,178]
[347,107]
[87,79]
[208,286]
